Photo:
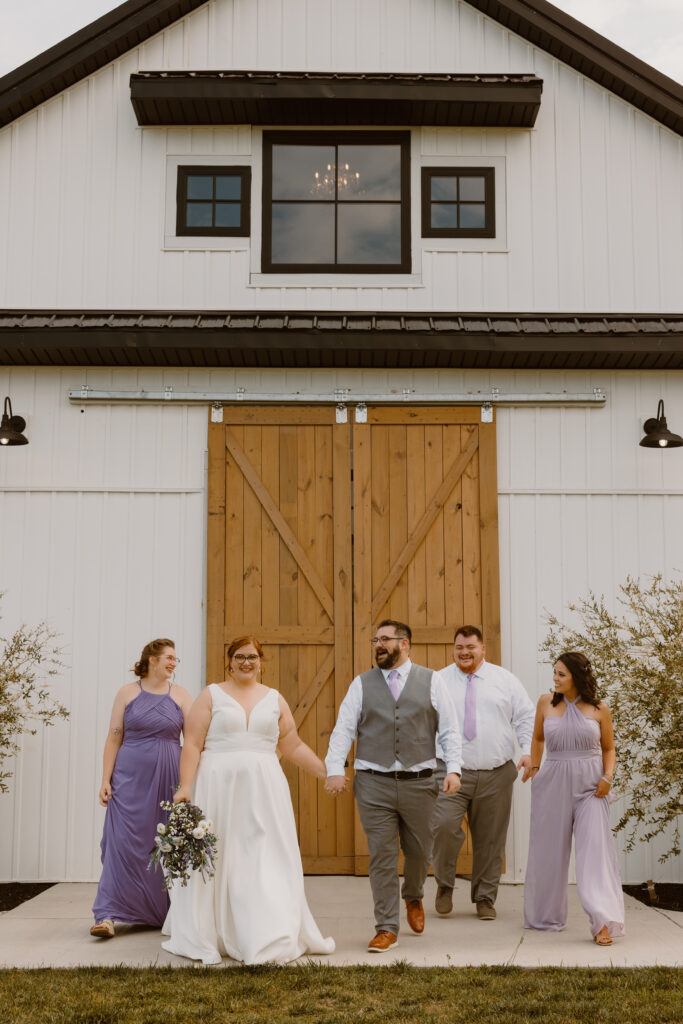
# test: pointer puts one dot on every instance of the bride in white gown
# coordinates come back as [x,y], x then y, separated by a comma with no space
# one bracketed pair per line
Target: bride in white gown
[254,909]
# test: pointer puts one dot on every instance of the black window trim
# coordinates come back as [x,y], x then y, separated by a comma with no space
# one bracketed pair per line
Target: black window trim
[489,175]
[185,171]
[331,137]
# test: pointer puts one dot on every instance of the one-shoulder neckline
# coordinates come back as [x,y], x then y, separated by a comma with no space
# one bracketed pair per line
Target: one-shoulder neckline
[247,716]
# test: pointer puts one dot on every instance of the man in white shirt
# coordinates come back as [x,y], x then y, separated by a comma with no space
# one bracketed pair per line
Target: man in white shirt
[492,707]
[397,711]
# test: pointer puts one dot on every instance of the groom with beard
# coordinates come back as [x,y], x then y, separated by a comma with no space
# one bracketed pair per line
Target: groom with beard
[396,711]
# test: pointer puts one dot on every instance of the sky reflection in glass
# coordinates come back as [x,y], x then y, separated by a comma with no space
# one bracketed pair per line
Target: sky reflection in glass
[200,187]
[294,170]
[374,172]
[303,233]
[369,233]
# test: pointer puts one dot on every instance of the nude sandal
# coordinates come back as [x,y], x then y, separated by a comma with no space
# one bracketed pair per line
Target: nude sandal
[103,929]
[602,940]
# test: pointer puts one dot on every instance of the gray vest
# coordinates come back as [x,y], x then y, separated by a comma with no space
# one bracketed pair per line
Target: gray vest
[403,730]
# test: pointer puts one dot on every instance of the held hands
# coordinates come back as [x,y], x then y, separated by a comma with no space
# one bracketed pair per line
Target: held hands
[451,783]
[105,793]
[336,784]
[529,769]
[183,794]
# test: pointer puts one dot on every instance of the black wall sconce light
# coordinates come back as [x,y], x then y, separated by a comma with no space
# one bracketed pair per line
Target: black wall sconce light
[657,434]
[12,427]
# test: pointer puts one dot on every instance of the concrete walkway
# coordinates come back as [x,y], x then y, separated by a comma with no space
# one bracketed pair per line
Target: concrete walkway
[52,930]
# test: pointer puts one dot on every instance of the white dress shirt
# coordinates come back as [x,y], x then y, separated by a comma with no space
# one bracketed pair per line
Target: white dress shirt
[344,732]
[503,706]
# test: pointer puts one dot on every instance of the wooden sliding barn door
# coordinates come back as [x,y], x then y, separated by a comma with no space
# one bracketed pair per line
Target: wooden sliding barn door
[425,535]
[279,569]
[415,487]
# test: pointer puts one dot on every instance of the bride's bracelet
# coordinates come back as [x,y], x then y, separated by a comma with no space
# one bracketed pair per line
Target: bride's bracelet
[605,779]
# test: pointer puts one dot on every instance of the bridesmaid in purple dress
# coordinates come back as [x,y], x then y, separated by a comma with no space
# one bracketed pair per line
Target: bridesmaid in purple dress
[571,794]
[140,768]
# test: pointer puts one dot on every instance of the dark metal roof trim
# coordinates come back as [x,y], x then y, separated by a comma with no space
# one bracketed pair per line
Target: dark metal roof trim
[539,22]
[301,339]
[572,42]
[84,52]
[334,98]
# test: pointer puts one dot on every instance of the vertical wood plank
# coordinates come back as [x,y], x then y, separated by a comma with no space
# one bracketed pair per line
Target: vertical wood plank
[365,510]
[418,585]
[436,464]
[380,497]
[234,540]
[322,555]
[289,611]
[308,613]
[270,546]
[490,559]
[252,563]
[471,542]
[398,517]
[215,554]
[343,598]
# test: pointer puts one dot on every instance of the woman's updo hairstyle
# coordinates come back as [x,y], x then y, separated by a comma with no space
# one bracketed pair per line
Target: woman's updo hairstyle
[579,668]
[242,641]
[151,650]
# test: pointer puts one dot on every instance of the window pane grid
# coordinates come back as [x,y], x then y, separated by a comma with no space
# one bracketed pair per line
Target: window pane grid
[458,202]
[365,177]
[213,200]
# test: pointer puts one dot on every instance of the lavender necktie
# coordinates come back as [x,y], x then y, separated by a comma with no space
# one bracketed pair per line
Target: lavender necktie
[393,682]
[470,724]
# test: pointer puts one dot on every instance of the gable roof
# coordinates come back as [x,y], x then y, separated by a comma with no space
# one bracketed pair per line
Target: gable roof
[542,24]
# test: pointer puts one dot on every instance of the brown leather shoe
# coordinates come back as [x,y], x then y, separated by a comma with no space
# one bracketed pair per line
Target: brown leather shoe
[416,916]
[486,910]
[382,942]
[443,904]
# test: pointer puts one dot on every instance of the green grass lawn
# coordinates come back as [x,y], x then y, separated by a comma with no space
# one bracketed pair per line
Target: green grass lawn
[327,995]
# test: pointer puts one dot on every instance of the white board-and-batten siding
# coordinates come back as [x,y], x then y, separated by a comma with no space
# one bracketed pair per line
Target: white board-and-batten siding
[590,219]
[103,535]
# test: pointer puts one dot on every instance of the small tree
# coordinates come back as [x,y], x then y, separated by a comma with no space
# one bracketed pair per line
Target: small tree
[26,659]
[637,658]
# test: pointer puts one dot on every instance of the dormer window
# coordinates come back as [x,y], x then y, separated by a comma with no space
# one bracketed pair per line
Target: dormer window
[336,202]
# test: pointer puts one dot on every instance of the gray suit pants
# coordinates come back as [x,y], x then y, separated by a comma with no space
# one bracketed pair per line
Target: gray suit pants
[486,798]
[393,811]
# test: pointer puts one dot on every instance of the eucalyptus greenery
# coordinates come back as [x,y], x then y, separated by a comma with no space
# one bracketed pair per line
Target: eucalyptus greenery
[27,659]
[637,659]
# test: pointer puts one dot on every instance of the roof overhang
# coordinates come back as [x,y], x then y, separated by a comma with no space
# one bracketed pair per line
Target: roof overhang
[93,46]
[326,98]
[383,340]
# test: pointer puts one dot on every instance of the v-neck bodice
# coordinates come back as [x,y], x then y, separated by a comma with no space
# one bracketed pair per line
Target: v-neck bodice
[232,728]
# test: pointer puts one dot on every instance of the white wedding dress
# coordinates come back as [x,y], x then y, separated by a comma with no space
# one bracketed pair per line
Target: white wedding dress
[254,909]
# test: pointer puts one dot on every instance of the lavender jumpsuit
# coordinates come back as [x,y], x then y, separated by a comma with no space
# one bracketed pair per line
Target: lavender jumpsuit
[562,803]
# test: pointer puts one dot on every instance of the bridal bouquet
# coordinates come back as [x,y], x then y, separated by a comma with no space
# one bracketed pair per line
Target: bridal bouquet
[185,843]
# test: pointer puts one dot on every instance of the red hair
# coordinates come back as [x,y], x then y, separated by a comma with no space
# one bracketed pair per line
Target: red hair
[241,641]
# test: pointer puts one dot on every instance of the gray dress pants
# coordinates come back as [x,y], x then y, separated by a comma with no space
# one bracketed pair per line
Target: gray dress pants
[393,811]
[486,798]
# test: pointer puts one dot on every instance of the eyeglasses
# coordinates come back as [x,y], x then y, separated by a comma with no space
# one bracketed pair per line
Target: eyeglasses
[386,639]
[246,659]
[173,661]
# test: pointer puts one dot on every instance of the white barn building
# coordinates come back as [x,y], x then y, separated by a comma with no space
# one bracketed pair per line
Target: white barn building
[316,313]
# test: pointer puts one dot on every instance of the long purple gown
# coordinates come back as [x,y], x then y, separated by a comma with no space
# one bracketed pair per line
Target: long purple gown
[146,770]
[562,802]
